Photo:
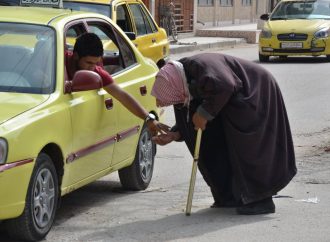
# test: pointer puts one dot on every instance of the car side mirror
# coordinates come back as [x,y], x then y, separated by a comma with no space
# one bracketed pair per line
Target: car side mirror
[131,35]
[264,16]
[83,81]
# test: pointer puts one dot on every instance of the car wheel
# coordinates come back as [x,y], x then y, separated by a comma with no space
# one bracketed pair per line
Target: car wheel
[41,203]
[263,58]
[138,175]
[327,58]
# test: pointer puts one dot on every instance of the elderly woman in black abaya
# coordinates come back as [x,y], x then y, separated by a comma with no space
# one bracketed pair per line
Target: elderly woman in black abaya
[246,153]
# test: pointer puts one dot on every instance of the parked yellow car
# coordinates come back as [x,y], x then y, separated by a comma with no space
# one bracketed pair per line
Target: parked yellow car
[132,17]
[57,135]
[296,27]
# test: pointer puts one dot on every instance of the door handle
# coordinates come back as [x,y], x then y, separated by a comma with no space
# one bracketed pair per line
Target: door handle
[143,90]
[153,40]
[108,103]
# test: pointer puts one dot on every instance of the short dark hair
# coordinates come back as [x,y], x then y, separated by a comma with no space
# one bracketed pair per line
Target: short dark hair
[88,44]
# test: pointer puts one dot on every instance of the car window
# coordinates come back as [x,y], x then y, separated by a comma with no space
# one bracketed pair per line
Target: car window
[89,7]
[150,21]
[9,2]
[72,33]
[141,21]
[302,10]
[117,53]
[29,66]
[123,19]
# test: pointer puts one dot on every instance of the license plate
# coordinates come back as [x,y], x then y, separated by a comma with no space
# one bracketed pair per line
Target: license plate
[292,45]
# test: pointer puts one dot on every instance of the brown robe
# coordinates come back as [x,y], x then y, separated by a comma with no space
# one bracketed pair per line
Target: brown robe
[247,148]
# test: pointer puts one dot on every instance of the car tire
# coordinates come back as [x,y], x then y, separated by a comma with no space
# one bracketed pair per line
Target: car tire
[40,205]
[138,175]
[263,58]
[327,58]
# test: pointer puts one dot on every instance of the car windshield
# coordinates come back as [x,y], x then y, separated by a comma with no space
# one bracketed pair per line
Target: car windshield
[315,9]
[28,59]
[89,7]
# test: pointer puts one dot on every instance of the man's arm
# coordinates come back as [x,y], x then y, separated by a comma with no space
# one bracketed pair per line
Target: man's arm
[127,100]
[134,107]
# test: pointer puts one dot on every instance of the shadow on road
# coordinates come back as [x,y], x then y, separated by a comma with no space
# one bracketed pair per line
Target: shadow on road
[173,227]
[294,60]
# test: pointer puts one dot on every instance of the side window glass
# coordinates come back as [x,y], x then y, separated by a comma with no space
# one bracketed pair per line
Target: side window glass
[71,35]
[150,21]
[123,19]
[117,53]
[126,51]
[141,22]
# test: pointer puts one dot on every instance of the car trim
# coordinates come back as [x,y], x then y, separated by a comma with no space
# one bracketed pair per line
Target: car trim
[14,164]
[296,51]
[100,145]
[127,133]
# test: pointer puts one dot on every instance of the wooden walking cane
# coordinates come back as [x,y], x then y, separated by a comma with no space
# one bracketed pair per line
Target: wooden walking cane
[193,172]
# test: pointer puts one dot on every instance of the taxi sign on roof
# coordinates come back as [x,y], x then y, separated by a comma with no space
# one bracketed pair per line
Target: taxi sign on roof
[42,3]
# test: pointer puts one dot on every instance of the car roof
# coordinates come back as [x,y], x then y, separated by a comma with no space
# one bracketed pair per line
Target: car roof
[104,1]
[304,1]
[39,15]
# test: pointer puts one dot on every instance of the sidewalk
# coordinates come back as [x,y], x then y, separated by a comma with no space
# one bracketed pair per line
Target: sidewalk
[212,37]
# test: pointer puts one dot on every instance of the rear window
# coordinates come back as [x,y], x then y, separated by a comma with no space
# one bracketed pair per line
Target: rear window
[89,7]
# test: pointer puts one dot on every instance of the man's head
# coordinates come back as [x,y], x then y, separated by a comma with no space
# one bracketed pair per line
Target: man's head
[88,51]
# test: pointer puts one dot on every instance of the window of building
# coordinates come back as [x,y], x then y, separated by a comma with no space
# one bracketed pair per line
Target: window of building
[246,2]
[224,3]
[205,2]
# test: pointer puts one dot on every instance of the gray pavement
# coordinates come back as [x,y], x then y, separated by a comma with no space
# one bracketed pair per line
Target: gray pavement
[213,37]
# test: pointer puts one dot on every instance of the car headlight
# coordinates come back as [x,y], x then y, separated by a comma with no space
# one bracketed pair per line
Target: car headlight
[3,151]
[266,33]
[322,33]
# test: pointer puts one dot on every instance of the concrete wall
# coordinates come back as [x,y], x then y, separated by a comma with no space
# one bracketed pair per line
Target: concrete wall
[237,14]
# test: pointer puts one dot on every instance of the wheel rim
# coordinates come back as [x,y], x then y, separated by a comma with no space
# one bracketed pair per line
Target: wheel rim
[43,195]
[145,156]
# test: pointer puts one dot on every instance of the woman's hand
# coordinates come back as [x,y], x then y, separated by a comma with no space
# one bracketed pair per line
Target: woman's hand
[166,138]
[199,121]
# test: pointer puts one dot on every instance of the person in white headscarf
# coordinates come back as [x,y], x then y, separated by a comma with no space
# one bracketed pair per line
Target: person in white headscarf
[247,152]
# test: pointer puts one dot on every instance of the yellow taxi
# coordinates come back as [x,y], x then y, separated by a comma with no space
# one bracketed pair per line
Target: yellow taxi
[132,17]
[56,134]
[296,28]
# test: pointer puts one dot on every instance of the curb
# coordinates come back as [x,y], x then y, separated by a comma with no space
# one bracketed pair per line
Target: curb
[182,48]
[251,36]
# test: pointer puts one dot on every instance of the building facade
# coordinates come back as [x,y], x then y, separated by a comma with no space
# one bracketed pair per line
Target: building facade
[194,14]
[183,12]
[226,12]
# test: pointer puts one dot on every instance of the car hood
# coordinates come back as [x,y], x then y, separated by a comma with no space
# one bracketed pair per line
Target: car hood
[13,104]
[297,25]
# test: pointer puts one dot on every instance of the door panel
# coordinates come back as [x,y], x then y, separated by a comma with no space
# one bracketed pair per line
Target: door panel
[125,75]
[93,127]
[94,134]
[147,36]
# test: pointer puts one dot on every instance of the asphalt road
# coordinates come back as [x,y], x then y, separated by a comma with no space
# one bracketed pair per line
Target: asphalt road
[102,211]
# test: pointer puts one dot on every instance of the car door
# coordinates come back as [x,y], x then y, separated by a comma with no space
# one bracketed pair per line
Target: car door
[93,125]
[128,74]
[147,38]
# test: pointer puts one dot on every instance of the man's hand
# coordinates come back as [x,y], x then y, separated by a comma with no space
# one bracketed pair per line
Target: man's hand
[199,121]
[166,138]
[156,127]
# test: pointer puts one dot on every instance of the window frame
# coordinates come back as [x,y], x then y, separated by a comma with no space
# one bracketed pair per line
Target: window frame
[205,3]
[226,3]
